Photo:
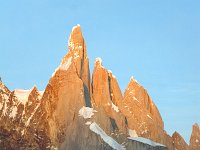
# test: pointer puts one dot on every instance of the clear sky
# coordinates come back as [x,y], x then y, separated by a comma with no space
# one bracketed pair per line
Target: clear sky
[158,42]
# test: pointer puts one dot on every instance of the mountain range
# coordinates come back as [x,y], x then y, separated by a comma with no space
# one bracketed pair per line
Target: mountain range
[77,111]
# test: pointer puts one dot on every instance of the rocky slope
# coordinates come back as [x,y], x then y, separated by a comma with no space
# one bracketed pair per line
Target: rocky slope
[76,113]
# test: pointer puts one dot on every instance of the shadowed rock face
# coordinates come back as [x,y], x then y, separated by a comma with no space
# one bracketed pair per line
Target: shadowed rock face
[195,138]
[179,142]
[73,113]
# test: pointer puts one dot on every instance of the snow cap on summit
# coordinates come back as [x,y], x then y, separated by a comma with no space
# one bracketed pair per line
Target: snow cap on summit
[75,38]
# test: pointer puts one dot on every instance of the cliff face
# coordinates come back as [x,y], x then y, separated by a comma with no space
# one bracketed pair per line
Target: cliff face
[179,142]
[142,115]
[195,138]
[76,113]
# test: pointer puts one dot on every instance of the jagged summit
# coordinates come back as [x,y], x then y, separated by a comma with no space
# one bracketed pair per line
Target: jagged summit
[132,79]
[76,113]
[75,37]
[196,126]
[76,40]
[195,138]
[98,62]
[179,142]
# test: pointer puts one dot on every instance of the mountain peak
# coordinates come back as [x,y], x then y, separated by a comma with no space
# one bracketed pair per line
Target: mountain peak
[76,38]
[50,120]
[195,137]
[132,79]
[196,126]
[179,142]
[98,62]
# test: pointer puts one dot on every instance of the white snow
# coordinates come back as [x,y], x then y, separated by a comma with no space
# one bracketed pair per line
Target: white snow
[115,107]
[149,116]
[109,140]
[22,95]
[109,71]
[66,65]
[133,79]
[29,119]
[41,94]
[132,133]
[86,112]
[88,123]
[78,25]
[76,55]
[5,107]
[13,112]
[71,43]
[145,141]
[98,59]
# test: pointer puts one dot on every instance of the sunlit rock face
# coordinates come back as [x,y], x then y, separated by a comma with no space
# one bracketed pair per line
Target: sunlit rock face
[179,142]
[142,115]
[195,138]
[74,113]
[105,96]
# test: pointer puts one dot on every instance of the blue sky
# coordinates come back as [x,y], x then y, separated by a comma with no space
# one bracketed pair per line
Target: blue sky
[158,42]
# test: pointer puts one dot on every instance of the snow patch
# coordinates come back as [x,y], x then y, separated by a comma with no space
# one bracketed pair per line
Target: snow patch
[22,95]
[109,71]
[29,119]
[109,140]
[71,43]
[99,60]
[88,123]
[146,141]
[132,133]
[115,107]
[133,79]
[13,112]
[76,55]
[86,112]
[40,94]
[5,108]
[66,65]
[78,25]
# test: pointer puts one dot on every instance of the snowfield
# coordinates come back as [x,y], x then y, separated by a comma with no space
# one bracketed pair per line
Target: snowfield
[109,140]
[146,141]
